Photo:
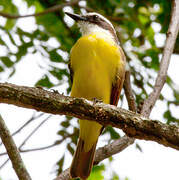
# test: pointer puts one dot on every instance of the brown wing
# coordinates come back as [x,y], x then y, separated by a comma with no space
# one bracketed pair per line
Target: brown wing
[71,72]
[119,79]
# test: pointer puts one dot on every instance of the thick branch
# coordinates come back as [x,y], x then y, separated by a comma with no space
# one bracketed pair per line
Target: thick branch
[118,145]
[133,124]
[168,49]
[13,153]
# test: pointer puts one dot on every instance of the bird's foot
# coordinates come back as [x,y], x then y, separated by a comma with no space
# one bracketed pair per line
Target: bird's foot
[95,100]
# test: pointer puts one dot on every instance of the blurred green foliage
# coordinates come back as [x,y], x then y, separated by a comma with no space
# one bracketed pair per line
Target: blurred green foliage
[138,23]
[97,172]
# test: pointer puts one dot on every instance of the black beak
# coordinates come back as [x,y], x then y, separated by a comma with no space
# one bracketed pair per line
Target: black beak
[76,17]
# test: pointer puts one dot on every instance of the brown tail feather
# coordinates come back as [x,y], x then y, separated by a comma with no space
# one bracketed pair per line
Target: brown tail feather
[82,161]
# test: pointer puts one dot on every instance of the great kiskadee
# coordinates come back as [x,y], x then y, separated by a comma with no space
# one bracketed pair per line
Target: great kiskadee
[97,66]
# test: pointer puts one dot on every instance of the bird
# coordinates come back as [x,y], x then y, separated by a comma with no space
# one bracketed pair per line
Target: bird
[97,69]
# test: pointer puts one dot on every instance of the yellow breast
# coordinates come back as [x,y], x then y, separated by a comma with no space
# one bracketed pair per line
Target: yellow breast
[94,60]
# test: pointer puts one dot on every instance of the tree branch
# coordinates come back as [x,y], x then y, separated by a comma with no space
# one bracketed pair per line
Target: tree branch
[113,148]
[4,163]
[55,9]
[133,127]
[103,153]
[26,139]
[26,123]
[129,93]
[23,126]
[117,145]
[133,124]
[13,153]
[49,10]
[168,49]
[39,148]
[49,146]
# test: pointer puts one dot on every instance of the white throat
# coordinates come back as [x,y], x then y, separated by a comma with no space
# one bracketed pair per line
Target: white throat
[88,28]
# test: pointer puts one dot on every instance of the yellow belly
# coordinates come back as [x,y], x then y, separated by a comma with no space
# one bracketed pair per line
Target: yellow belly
[94,62]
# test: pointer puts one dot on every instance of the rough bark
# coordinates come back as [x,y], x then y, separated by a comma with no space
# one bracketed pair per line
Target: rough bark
[133,124]
[166,56]
[13,152]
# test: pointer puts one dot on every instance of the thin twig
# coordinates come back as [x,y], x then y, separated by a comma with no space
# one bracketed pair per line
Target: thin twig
[49,10]
[27,123]
[129,93]
[4,163]
[39,149]
[13,152]
[65,175]
[161,75]
[26,139]
[50,146]
[157,84]
[103,153]
[55,9]
[24,125]
[30,135]
[43,148]
[131,103]
[115,147]
[168,49]
[133,124]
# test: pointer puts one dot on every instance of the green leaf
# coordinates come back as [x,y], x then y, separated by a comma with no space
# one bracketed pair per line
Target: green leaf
[12,72]
[44,82]
[1,69]
[2,42]
[144,10]
[59,73]
[110,159]
[115,177]
[143,19]
[62,132]
[22,50]
[21,33]
[126,178]
[176,95]
[97,172]
[9,7]
[60,164]
[74,138]
[6,61]
[70,148]
[65,124]
[113,133]
[168,116]
[154,54]
[55,57]
[55,26]
[150,35]
[10,24]
[138,147]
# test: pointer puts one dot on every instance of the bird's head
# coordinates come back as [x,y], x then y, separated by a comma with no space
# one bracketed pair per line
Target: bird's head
[94,22]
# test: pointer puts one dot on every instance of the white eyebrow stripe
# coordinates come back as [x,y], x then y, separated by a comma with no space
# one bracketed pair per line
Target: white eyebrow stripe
[87,27]
[102,17]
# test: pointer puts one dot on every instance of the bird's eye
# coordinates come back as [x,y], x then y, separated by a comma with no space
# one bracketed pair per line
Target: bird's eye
[95,17]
